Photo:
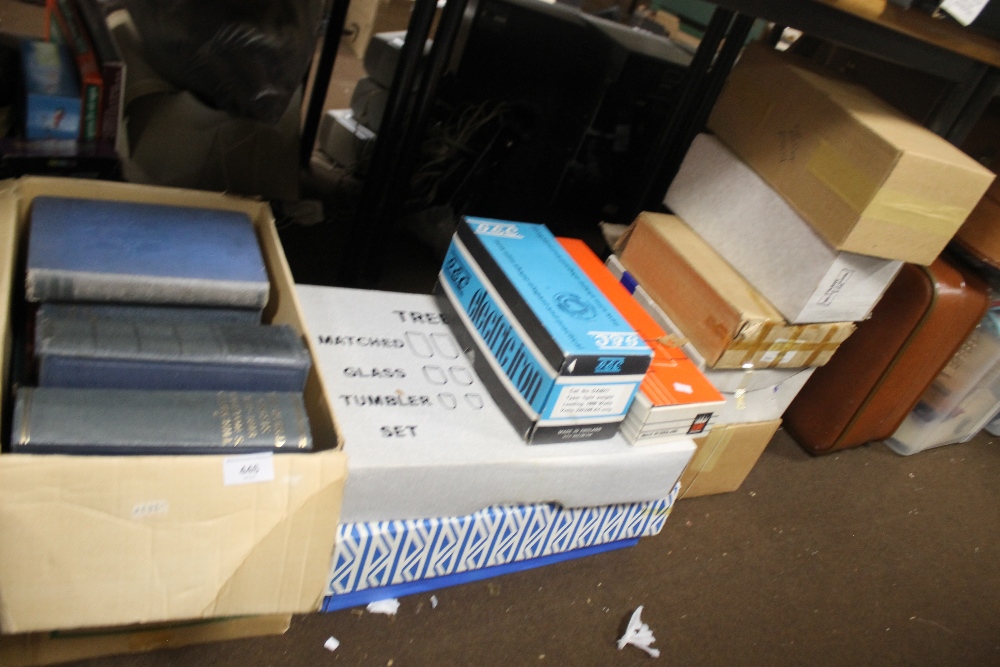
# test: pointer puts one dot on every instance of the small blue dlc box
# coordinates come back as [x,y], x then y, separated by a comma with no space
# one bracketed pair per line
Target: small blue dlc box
[51,91]
[558,359]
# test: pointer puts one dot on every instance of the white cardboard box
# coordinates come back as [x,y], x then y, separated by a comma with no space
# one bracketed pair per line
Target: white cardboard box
[344,140]
[752,395]
[760,234]
[424,438]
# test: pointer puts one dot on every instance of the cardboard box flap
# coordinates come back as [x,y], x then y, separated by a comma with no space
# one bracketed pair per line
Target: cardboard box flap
[181,550]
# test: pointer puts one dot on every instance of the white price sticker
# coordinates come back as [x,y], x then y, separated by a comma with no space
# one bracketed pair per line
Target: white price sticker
[248,469]
[150,508]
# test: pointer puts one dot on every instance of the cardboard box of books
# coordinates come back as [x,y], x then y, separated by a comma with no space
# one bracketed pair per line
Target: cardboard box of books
[754,229]
[225,534]
[424,436]
[559,359]
[751,394]
[51,648]
[725,457]
[866,177]
[730,323]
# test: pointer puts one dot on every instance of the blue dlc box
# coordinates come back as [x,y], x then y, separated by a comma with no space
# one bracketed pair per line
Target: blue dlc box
[559,360]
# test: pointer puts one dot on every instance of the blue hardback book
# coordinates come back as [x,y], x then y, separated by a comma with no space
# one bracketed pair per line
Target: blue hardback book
[121,354]
[116,251]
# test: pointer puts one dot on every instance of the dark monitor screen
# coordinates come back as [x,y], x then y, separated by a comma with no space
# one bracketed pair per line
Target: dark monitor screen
[545,114]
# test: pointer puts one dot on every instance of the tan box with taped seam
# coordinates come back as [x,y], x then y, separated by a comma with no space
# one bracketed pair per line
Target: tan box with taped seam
[118,540]
[868,179]
[728,321]
[725,457]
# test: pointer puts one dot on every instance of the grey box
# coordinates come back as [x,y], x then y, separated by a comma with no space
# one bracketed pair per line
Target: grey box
[368,103]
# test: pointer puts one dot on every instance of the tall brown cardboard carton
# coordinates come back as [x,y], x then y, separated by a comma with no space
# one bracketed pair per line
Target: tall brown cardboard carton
[868,179]
[117,540]
[728,321]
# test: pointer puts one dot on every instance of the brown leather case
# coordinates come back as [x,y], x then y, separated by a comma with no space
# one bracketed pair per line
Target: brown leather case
[980,234]
[876,377]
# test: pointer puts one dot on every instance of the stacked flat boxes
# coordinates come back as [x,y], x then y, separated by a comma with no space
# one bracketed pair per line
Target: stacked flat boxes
[790,222]
[675,399]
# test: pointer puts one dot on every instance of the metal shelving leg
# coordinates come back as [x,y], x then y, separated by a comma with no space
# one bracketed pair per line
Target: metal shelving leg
[668,138]
[378,200]
[321,79]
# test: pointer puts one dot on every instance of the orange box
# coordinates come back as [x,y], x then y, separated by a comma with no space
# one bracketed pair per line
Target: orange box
[675,399]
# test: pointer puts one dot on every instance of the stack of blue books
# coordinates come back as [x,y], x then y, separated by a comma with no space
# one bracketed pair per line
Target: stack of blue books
[147,335]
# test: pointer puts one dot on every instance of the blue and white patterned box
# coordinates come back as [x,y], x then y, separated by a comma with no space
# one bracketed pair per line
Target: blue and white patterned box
[385,558]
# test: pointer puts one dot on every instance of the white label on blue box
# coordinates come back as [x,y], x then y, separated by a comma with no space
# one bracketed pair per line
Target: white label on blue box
[592,400]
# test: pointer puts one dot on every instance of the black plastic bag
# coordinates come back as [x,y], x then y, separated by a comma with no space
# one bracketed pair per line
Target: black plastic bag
[246,57]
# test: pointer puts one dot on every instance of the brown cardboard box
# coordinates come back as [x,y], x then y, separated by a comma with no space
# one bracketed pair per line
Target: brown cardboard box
[729,322]
[725,457]
[868,179]
[117,540]
[50,648]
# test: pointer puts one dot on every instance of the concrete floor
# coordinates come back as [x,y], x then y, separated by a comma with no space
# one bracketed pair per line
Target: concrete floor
[860,558]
